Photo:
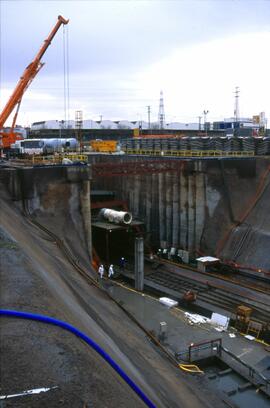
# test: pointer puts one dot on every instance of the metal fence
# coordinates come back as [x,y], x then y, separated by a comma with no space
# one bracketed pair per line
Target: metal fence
[190,153]
[200,351]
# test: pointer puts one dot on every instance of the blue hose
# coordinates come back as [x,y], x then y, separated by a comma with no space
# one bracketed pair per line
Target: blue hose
[88,340]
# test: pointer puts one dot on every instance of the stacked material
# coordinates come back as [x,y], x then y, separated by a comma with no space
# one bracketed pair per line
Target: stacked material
[173,144]
[184,144]
[228,145]
[206,143]
[144,144]
[219,144]
[236,145]
[124,144]
[137,144]
[266,140]
[248,144]
[261,145]
[150,144]
[164,144]
[157,144]
[196,143]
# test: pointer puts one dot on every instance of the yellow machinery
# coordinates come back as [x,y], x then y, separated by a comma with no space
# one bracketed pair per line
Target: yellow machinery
[105,146]
[242,317]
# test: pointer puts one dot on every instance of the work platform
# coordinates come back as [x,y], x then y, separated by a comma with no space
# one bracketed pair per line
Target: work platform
[193,339]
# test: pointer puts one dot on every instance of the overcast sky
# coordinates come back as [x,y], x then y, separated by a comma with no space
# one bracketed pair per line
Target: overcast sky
[122,53]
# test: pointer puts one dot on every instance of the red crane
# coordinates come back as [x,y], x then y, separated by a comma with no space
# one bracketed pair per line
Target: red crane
[6,139]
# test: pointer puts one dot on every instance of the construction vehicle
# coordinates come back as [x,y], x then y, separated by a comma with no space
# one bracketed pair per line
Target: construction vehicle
[10,137]
[104,146]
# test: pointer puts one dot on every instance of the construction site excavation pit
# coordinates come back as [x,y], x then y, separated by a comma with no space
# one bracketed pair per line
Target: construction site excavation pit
[171,214]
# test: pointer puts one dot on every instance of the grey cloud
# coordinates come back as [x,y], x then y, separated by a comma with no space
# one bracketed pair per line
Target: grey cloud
[118,35]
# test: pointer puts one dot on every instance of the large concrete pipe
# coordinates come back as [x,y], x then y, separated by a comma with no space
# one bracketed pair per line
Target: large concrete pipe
[117,217]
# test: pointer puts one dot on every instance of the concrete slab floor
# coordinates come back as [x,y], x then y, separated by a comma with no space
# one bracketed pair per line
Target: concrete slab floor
[180,333]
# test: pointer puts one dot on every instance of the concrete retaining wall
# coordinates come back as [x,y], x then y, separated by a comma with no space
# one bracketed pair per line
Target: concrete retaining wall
[194,208]
[58,197]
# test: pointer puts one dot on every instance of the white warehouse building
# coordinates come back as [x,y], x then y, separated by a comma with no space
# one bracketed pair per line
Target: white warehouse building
[109,124]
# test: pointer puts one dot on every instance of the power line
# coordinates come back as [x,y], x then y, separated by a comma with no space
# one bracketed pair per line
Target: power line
[68,98]
[64,68]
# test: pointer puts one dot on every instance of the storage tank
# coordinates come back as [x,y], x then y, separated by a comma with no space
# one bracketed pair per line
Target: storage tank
[57,145]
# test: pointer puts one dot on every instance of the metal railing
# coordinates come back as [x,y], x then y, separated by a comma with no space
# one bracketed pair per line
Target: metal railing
[190,153]
[53,159]
[202,350]
[214,348]
[245,369]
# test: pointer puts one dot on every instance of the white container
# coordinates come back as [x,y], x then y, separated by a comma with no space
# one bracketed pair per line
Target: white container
[168,302]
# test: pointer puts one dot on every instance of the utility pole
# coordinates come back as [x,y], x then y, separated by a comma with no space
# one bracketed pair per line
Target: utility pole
[236,111]
[61,127]
[236,104]
[78,126]
[200,118]
[205,112]
[148,114]
[161,113]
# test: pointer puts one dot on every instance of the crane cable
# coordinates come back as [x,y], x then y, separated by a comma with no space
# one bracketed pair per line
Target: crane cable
[67,61]
[1,52]
[66,74]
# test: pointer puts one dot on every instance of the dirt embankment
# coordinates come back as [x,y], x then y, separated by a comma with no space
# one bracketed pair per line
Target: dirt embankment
[35,355]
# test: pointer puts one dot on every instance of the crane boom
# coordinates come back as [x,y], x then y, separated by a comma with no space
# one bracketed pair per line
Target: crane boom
[27,77]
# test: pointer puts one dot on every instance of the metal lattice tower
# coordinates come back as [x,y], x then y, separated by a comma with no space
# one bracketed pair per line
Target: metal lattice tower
[78,125]
[236,105]
[161,113]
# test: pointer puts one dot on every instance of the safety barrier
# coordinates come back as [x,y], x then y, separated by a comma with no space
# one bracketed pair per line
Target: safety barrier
[75,157]
[53,159]
[190,368]
[199,351]
[190,153]
[59,157]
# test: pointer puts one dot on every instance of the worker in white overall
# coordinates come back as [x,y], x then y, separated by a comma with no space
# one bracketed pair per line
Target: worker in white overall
[101,271]
[111,271]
